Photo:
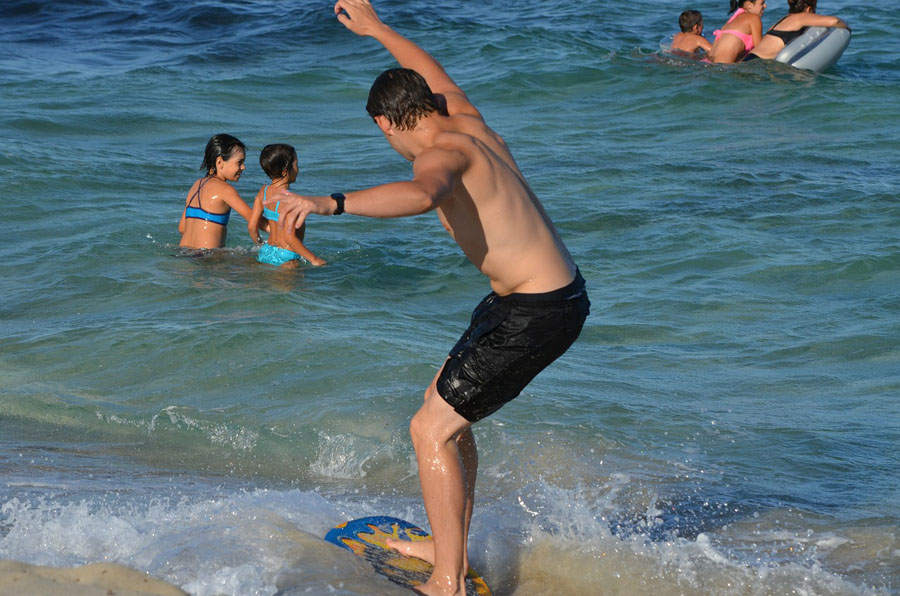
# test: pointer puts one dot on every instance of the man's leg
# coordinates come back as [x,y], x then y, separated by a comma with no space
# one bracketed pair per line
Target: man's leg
[424,549]
[466,443]
[435,429]
[465,440]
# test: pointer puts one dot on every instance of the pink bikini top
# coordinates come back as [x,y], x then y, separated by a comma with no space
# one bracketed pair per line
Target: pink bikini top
[744,37]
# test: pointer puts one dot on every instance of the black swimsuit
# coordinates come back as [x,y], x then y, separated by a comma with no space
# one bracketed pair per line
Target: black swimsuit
[786,36]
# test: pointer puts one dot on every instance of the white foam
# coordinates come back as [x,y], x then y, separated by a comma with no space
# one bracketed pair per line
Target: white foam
[260,541]
[231,545]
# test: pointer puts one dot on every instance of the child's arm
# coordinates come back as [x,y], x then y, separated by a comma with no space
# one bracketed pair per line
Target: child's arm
[183,222]
[756,31]
[234,200]
[298,247]
[703,44]
[253,222]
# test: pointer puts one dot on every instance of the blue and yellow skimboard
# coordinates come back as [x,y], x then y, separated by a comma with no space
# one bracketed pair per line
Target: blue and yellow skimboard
[366,537]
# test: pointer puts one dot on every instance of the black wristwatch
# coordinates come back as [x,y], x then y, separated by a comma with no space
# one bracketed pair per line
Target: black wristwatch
[339,198]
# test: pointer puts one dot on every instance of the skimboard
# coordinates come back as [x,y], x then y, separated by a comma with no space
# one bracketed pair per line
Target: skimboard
[366,537]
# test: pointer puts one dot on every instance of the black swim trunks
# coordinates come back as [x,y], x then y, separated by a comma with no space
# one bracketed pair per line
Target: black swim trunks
[509,341]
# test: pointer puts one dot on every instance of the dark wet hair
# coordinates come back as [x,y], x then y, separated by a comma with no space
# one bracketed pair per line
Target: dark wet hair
[223,146]
[402,96]
[736,4]
[795,6]
[689,19]
[276,159]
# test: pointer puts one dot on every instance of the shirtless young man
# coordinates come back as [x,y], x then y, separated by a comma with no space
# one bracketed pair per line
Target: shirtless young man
[464,171]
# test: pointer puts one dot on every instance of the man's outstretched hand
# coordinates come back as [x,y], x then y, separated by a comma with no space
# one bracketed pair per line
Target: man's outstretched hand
[357,16]
[293,208]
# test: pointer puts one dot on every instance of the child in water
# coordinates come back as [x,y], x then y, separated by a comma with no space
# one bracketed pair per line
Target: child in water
[691,39]
[204,221]
[283,249]
[740,34]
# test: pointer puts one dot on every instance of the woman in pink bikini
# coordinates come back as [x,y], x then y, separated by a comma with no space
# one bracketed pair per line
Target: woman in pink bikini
[740,34]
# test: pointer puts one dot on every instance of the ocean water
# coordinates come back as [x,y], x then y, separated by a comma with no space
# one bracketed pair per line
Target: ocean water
[728,422]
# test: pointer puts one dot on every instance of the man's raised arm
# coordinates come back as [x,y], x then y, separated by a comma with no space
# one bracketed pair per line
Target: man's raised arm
[360,18]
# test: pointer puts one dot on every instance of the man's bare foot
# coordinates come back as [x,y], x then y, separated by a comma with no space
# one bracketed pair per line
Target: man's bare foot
[432,588]
[420,549]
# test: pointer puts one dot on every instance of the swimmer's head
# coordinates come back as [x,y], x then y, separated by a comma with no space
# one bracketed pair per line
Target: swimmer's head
[402,96]
[795,6]
[690,19]
[751,6]
[277,160]
[221,145]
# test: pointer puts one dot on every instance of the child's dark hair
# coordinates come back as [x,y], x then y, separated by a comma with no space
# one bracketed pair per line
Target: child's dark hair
[223,146]
[795,6]
[276,159]
[689,19]
[402,96]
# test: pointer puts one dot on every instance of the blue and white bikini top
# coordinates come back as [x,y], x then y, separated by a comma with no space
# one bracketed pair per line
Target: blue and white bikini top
[200,213]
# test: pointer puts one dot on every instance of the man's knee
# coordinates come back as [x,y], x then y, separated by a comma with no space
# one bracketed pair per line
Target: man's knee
[436,421]
[424,426]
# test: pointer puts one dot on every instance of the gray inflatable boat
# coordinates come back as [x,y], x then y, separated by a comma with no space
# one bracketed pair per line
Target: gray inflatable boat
[817,49]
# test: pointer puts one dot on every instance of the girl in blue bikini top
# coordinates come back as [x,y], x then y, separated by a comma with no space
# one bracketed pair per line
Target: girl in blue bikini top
[211,198]
[199,212]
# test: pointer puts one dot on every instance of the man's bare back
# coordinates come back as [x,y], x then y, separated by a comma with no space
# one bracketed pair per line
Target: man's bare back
[492,213]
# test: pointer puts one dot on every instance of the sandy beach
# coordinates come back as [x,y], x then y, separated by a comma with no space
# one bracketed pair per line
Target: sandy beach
[97,579]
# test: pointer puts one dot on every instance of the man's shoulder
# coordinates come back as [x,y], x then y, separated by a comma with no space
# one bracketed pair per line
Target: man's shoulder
[468,141]
[469,128]
[456,103]
[449,151]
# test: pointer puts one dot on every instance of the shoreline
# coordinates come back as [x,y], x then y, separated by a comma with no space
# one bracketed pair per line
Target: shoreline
[93,579]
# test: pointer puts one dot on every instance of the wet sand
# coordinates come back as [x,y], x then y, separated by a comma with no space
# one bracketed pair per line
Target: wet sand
[97,579]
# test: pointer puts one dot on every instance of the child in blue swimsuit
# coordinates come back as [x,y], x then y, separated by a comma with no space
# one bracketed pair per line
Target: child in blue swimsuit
[279,162]
[204,221]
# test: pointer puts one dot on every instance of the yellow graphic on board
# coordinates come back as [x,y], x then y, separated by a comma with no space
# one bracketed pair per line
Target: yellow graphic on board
[367,538]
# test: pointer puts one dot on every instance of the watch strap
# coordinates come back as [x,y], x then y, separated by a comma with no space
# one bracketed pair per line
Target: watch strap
[339,198]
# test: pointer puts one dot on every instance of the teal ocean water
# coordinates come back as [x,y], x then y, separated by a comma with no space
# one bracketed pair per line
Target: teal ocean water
[728,422]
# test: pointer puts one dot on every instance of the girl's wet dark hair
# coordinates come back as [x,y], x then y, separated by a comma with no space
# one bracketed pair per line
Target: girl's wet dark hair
[795,6]
[736,4]
[221,145]
[276,159]
[402,96]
